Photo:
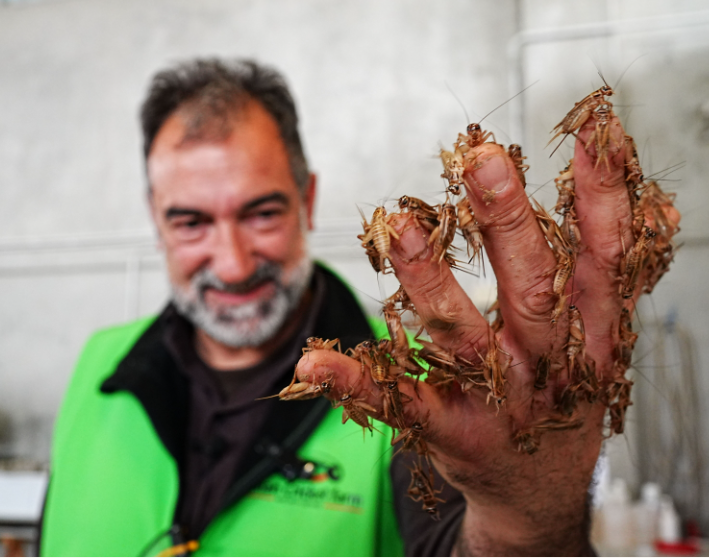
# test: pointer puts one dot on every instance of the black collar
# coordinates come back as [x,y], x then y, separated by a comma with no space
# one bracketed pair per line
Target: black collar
[151,374]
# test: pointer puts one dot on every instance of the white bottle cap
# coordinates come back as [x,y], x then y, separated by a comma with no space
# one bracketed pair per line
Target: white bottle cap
[650,493]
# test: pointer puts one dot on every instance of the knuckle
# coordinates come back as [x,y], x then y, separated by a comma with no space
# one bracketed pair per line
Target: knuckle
[512,218]
[427,285]
[472,343]
[535,301]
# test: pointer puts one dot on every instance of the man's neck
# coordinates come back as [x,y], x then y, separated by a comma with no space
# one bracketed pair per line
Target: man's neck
[222,357]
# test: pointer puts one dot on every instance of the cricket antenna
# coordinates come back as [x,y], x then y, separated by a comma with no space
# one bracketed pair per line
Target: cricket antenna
[604,79]
[540,187]
[666,172]
[624,71]
[467,118]
[507,101]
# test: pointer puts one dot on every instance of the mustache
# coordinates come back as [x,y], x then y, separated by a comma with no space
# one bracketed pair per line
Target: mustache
[206,279]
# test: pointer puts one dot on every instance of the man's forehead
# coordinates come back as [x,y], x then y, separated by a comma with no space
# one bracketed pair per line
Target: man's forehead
[197,157]
[253,145]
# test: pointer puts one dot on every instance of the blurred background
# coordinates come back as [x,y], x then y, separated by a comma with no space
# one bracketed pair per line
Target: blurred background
[381,86]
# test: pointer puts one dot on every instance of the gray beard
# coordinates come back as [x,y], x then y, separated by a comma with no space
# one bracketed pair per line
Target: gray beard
[250,324]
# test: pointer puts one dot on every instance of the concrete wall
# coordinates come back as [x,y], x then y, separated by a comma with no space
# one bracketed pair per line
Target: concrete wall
[373,82]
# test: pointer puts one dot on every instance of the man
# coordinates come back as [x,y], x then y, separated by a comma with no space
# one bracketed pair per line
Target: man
[161,441]
[161,426]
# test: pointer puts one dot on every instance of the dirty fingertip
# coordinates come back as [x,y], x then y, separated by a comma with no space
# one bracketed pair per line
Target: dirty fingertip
[490,174]
[412,244]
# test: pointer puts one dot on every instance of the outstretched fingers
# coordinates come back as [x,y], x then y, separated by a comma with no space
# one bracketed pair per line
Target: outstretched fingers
[444,414]
[524,264]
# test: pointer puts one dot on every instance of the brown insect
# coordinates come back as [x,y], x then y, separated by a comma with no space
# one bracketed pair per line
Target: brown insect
[566,186]
[563,251]
[655,203]
[439,378]
[528,438]
[443,235]
[356,409]
[552,232]
[515,153]
[658,206]
[570,231]
[362,353]
[633,261]
[401,298]
[447,366]
[394,403]
[374,259]
[474,136]
[421,490]
[379,365]
[638,221]
[398,346]
[304,390]
[542,371]
[379,232]
[527,441]
[601,136]
[425,214]
[619,401]
[576,345]
[498,323]
[633,172]
[568,399]
[441,358]
[495,371]
[453,169]
[317,344]
[627,340]
[564,269]
[396,330]
[412,439]
[581,112]
[559,308]
[470,228]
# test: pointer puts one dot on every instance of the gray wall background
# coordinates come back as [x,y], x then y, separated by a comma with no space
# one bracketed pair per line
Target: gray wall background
[373,81]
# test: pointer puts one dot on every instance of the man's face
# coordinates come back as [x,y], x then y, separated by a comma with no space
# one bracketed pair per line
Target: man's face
[232,222]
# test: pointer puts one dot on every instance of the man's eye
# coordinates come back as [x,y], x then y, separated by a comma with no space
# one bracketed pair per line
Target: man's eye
[266,213]
[187,224]
[188,229]
[265,217]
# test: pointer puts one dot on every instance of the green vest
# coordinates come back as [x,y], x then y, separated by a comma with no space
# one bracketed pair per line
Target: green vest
[114,486]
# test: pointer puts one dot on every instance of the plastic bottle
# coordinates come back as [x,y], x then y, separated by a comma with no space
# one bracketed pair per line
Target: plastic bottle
[668,522]
[646,518]
[618,524]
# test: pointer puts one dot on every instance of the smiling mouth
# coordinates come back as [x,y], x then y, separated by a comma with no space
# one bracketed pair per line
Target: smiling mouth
[219,297]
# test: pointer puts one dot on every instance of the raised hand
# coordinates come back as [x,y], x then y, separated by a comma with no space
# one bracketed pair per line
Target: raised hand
[522,449]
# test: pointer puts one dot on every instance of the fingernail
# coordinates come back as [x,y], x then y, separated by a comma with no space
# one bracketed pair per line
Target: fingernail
[492,173]
[412,243]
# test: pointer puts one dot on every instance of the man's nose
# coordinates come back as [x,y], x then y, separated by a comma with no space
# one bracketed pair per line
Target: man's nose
[232,259]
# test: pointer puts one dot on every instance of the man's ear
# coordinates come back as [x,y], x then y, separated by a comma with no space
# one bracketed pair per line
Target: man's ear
[310,191]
